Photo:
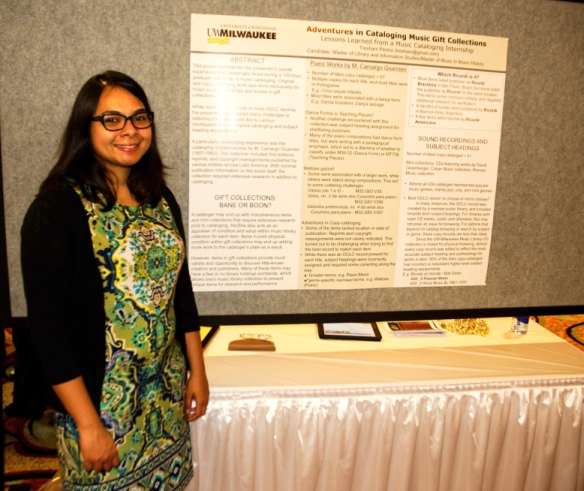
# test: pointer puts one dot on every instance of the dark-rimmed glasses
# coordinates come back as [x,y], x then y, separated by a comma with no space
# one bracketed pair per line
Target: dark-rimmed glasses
[116,122]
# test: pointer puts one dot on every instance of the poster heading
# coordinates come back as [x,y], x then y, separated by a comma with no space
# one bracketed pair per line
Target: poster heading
[282,37]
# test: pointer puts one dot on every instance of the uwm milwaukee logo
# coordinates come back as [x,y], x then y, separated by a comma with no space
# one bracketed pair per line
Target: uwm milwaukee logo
[221,36]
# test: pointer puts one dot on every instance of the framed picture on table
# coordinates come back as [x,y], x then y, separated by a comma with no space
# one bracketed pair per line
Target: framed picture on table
[355,331]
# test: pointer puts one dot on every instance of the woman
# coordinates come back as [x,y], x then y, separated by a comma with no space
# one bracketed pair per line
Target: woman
[110,305]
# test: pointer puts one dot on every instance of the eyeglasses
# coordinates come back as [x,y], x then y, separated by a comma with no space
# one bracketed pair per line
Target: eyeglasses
[116,122]
[255,336]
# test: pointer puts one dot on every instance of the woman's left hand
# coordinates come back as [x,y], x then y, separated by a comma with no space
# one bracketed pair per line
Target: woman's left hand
[196,395]
[197,389]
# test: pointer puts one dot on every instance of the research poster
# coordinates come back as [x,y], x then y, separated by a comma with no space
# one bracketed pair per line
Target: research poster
[340,156]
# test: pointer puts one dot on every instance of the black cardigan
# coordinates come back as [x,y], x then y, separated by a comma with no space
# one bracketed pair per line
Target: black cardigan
[64,292]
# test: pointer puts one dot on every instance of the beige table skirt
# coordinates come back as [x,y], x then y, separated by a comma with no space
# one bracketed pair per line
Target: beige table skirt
[458,413]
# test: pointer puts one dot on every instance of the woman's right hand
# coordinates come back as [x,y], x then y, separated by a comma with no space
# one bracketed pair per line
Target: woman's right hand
[98,449]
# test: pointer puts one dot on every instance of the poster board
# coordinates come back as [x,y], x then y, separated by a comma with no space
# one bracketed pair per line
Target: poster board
[341,156]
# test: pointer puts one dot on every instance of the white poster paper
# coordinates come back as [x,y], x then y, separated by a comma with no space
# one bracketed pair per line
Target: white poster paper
[337,156]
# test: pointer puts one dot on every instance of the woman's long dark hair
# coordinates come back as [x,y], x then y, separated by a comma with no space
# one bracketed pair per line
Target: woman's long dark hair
[77,163]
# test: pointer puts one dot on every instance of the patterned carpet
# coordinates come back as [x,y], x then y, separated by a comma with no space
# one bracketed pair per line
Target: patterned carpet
[28,461]
[568,327]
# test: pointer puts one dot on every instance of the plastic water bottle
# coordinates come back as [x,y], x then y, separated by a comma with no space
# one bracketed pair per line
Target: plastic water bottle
[520,325]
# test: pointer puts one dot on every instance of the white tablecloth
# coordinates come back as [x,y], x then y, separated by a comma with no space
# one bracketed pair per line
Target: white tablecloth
[460,413]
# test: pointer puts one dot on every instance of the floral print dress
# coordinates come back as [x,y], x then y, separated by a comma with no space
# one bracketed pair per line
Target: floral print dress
[139,253]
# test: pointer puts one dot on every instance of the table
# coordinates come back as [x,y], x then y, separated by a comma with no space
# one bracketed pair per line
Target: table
[503,412]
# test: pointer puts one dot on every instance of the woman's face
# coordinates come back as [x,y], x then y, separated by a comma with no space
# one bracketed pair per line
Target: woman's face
[119,150]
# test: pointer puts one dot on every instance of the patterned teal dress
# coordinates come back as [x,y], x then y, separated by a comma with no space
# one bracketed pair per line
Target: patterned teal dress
[139,253]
